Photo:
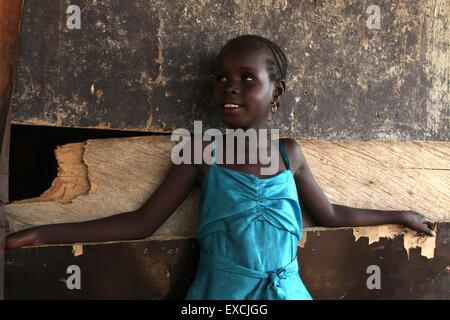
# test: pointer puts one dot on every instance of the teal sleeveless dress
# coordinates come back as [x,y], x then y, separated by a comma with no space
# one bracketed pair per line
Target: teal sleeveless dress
[248,230]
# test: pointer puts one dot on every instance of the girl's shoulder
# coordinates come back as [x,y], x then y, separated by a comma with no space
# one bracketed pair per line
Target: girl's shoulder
[201,165]
[294,151]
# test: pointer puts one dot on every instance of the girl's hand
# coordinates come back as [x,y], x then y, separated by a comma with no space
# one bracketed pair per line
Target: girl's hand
[29,237]
[418,222]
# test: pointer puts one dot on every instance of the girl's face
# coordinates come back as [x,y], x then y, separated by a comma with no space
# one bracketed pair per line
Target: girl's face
[242,79]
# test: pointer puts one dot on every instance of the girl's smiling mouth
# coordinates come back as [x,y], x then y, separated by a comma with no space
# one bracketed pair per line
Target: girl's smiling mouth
[231,107]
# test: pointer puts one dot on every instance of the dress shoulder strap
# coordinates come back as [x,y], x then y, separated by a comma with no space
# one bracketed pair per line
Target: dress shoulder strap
[213,152]
[284,154]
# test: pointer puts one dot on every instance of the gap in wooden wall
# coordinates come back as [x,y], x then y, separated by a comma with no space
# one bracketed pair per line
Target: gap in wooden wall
[33,165]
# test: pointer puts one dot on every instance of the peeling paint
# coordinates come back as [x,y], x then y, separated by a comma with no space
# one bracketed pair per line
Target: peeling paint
[59,115]
[399,72]
[99,94]
[77,249]
[103,124]
[94,188]
[438,56]
[149,121]
[292,119]
[411,239]
[303,239]
[72,179]
[160,79]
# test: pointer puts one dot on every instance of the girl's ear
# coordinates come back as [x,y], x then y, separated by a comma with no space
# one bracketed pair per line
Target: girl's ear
[280,88]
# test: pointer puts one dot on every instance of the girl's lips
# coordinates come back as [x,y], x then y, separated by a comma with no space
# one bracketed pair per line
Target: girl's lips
[231,108]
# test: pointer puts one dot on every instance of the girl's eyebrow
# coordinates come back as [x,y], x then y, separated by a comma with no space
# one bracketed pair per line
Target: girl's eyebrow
[248,68]
[241,68]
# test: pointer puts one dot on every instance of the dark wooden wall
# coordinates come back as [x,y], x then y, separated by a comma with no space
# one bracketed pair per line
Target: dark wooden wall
[145,65]
[332,266]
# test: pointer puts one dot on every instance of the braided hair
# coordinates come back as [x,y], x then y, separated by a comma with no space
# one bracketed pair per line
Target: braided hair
[277,64]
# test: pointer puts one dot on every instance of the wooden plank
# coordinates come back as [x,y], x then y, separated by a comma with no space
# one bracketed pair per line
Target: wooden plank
[147,65]
[4,194]
[122,174]
[333,265]
[126,270]
[336,263]
[387,175]
[10,12]
[102,177]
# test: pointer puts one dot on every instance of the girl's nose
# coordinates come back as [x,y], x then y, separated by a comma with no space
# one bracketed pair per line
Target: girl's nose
[232,88]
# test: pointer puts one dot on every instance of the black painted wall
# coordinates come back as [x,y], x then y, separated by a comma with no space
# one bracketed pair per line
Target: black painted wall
[145,65]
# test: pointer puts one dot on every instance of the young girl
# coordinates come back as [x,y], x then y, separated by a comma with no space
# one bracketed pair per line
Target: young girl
[249,224]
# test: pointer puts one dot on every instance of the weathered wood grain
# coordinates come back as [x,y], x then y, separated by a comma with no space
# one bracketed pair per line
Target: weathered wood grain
[102,177]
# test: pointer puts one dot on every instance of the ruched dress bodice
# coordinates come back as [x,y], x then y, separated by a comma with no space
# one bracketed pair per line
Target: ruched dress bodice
[248,230]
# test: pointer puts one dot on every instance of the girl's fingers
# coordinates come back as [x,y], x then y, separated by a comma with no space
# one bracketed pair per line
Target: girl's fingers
[426,230]
[429,223]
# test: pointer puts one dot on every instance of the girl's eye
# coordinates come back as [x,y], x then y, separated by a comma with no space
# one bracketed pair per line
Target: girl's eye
[220,77]
[246,77]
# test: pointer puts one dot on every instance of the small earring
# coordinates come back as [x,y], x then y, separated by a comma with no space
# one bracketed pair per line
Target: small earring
[274,107]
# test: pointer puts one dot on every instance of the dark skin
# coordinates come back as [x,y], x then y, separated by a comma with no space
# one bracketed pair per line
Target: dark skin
[242,77]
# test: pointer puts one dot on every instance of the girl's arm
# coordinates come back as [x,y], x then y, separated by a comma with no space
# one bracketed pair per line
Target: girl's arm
[332,215]
[348,216]
[137,224]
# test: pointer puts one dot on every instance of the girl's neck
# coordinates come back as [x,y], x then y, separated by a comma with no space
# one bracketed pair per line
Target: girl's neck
[257,127]
[260,138]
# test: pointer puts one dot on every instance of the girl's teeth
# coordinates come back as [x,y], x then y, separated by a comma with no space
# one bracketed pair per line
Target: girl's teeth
[231,106]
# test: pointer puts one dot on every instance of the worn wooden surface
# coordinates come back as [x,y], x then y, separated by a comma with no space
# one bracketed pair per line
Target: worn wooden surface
[9,46]
[333,265]
[101,177]
[145,65]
